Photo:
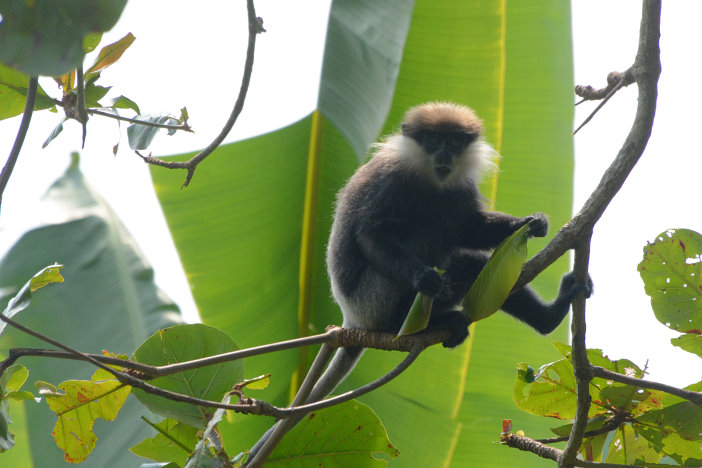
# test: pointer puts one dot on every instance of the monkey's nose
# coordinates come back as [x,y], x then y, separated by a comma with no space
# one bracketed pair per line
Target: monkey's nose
[442,171]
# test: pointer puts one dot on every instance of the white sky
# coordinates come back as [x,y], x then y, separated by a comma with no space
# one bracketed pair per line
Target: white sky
[197,62]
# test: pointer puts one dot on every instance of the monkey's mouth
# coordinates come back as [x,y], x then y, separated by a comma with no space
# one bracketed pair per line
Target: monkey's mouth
[442,171]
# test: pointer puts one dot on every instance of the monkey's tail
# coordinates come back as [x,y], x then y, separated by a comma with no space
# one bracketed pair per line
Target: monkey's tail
[343,362]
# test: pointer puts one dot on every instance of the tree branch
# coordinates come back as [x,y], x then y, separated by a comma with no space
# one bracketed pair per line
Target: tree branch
[21,133]
[255,27]
[645,71]
[581,364]
[694,397]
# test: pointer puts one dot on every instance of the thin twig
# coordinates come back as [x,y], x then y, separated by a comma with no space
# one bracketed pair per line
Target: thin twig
[182,126]
[616,88]
[694,397]
[80,104]
[255,28]
[646,70]
[21,133]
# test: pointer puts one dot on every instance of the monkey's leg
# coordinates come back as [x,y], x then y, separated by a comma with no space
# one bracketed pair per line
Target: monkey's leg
[460,274]
[527,306]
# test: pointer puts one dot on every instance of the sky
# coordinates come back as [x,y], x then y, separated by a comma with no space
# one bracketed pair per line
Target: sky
[197,61]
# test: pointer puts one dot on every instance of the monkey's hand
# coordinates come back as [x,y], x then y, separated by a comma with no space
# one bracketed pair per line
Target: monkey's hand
[538,224]
[570,289]
[427,281]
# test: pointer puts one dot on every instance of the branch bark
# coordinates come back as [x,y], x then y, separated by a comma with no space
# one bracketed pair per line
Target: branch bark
[21,133]
[645,71]
[255,28]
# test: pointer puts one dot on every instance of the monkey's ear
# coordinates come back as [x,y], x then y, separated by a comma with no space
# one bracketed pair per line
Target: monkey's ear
[406,129]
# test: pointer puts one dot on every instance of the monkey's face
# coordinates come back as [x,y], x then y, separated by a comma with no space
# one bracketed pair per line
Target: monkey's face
[445,150]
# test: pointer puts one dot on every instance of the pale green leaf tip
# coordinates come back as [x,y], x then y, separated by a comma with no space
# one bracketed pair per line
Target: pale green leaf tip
[46,276]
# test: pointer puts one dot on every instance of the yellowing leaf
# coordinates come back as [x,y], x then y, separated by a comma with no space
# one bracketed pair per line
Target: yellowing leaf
[77,409]
[111,53]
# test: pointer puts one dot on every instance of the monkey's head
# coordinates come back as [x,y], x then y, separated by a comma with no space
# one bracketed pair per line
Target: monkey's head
[447,142]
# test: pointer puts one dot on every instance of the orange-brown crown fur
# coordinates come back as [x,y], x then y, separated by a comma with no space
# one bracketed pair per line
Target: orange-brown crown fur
[443,117]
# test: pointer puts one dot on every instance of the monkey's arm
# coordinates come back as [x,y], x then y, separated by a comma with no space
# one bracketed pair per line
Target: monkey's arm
[487,229]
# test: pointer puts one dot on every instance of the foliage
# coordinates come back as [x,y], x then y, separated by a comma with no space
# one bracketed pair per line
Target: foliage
[627,424]
[45,38]
[672,272]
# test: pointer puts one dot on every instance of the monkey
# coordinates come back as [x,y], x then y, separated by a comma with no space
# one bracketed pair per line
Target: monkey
[413,208]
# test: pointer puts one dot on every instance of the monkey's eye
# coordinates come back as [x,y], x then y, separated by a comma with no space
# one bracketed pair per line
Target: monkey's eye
[432,142]
[455,144]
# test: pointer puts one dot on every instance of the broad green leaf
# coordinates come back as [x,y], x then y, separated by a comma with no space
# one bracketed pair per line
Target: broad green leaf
[46,38]
[349,434]
[174,441]
[110,54]
[123,102]
[141,136]
[182,343]
[22,299]
[108,301]
[418,316]
[267,229]
[80,403]
[672,273]
[13,93]
[495,281]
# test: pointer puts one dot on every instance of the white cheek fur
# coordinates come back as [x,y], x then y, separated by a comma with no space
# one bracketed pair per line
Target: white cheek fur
[477,161]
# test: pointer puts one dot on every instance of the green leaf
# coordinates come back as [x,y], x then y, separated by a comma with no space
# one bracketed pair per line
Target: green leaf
[418,316]
[108,290]
[349,434]
[54,133]
[93,93]
[43,37]
[77,408]
[182,343]
[672,273]
[13,93]
[174,441]
[123,102]
[690,342]
[110,54]
[141,136]
[22,299]
[10,382]
[91,41]
[496,280]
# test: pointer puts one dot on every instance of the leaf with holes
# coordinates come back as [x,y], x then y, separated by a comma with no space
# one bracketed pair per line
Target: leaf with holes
[671,270]
[78,403]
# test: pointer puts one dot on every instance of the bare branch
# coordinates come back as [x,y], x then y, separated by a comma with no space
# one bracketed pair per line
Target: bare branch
[581,364]
[646,70]
[694,397]
[21,133]
[255,27]
[183,126]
